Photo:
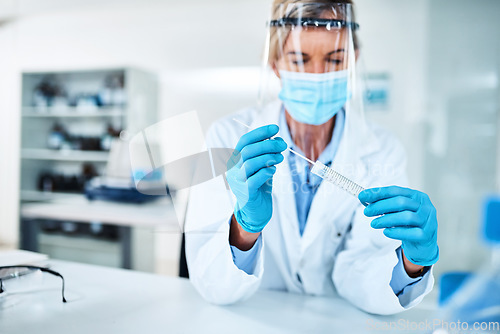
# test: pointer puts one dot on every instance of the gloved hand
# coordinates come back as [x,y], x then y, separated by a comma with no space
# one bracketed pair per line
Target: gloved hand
[407,215]
[250,171]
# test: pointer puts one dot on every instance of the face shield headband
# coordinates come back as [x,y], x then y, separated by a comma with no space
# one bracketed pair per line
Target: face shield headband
[313,22]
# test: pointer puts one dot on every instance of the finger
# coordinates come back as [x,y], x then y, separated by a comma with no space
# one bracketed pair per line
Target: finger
[390,205]
[251,166]
[276,145]
[262,176]
[256,135]
[398,219]
[401,233]
[377,194]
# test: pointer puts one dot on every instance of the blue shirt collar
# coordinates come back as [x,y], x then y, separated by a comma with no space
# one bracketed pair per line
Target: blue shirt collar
[328,154]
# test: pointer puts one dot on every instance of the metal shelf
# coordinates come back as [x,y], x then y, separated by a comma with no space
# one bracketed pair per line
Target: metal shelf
[64,155]
[72,112]
[36,195]
[37,125]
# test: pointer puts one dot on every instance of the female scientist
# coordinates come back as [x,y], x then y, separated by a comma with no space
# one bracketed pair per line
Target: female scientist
[269,223]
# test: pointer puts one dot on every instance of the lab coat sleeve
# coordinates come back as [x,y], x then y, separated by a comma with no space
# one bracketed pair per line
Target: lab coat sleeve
[365,264]
[212,270]
[246,260]
[405,287]
[400,278]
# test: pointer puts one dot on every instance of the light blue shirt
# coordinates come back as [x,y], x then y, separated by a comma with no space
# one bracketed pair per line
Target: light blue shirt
[307,185]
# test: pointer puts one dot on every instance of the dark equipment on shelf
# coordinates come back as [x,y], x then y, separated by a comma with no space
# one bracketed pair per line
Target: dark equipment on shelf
[52,182]
[97,189]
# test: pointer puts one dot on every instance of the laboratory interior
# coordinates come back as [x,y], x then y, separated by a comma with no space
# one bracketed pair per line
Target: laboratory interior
[231,166]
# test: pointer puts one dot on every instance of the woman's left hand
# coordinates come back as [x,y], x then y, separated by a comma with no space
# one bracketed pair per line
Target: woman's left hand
[407,215]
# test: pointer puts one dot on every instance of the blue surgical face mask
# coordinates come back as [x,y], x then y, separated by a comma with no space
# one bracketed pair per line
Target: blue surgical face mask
[314,98]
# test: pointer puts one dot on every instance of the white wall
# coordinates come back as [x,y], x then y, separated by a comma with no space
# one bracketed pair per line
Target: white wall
[9,135]
[463,140]
[394,36]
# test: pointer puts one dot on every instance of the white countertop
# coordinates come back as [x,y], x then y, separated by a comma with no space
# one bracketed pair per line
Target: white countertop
[105,300]
[159,213]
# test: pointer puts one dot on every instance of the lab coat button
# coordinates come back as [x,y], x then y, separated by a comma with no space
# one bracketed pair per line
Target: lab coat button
[335,235]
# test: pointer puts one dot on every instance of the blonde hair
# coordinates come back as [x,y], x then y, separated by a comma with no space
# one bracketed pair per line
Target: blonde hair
[279,34]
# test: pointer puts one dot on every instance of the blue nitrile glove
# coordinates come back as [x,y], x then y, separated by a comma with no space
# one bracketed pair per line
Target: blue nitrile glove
[250,172]
[407,215]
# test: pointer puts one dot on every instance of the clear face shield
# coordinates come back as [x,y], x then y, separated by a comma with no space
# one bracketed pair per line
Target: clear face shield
[312,50]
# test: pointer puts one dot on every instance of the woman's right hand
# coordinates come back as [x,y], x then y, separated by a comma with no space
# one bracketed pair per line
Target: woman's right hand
[249,174]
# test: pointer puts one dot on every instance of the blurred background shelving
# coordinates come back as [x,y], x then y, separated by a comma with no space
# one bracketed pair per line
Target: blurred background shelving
[69,120]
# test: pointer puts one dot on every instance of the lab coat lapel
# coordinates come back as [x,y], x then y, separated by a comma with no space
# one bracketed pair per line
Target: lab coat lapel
[286,208]
[285,212]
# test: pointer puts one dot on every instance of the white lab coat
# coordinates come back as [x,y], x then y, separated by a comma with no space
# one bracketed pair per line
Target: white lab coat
[338,252]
